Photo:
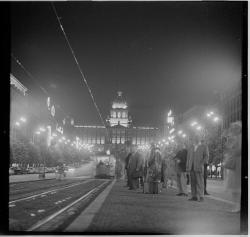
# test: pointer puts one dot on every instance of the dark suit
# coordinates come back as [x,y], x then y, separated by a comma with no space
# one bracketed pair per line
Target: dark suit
[195,165]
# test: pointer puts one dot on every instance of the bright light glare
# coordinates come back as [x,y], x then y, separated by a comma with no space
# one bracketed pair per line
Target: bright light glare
[172,130]
[180,132]
[23,119]
[17,124]
[163,140]
[193,124]
[38,133]
[216,119]
[63,138]
[184,135]
[198,128]
[211,112]
[42,129]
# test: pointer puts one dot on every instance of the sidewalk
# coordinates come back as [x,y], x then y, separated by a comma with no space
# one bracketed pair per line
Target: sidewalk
[125,211]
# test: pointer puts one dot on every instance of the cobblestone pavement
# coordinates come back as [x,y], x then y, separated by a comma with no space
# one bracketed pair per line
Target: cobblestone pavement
[126,211]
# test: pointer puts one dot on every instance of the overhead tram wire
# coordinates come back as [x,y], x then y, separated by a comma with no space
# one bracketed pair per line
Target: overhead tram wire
[33,78]
[30,75]
[78,65]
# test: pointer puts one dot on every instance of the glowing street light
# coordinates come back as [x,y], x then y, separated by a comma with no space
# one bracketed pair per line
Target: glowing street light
[215,119]
[23,119]
[172,130]
[42,129]
[194,123]
[198,128]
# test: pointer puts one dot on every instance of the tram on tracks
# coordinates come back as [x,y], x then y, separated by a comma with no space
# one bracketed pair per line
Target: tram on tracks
[105,167]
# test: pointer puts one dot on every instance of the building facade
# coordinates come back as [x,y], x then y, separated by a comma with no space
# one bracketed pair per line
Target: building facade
[231,105]
[119,129]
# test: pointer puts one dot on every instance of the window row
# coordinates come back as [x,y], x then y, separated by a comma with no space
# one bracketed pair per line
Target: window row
[119,114]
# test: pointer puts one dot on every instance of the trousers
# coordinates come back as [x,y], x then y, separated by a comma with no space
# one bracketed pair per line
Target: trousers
[197,184]
[181,180]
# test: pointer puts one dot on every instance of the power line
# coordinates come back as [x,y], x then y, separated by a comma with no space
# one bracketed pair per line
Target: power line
[33,78]
[30,75]
[74,56]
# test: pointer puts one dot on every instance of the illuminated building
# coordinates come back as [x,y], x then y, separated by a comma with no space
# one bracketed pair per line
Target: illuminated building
[119,112]
[119,128]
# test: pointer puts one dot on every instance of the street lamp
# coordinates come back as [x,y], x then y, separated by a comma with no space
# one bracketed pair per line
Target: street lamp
[193,124]
[42,129]
[215,119]
[23,119]
[198,128]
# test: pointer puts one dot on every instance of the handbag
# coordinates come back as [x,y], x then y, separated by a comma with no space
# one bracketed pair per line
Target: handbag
[230,162]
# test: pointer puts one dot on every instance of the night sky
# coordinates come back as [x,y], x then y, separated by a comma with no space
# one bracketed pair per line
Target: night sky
[161,55]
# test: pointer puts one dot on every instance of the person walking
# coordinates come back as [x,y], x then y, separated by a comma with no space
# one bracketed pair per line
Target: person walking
[197,156]
[154,170]
[181,160]
[126,165]
[232,164]
[135,168]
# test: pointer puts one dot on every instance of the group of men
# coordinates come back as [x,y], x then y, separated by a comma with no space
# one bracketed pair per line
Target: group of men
[191,162]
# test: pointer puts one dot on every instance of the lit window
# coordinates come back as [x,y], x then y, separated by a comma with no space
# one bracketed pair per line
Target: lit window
[119,114]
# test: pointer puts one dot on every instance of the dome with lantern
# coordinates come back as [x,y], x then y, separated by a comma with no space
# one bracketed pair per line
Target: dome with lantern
[119,102]
[119,112]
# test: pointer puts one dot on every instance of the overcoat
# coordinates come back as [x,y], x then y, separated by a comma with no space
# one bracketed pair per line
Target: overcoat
[198,158]
[135,165]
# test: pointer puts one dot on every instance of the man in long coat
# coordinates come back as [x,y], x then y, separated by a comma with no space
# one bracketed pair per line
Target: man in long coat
[135,168]
[196,158]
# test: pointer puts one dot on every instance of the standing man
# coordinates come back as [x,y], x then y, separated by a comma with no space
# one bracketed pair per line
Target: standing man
[127,159]
[133,179]
[181,160]
[205,171]
[196,158]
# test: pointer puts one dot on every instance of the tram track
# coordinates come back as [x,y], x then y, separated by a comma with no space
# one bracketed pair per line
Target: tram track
[50,191]
[49,221]
[50,210]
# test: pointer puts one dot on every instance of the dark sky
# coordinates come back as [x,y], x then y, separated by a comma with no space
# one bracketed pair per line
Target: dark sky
[161,55]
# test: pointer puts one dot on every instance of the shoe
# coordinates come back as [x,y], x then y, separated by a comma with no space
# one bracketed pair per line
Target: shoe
[206,193]
[193,199]
[201,199]
[179,194]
